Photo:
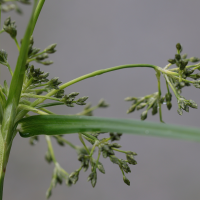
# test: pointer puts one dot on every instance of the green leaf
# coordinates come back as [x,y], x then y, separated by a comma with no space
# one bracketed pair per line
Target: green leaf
[63,124]
[17,81]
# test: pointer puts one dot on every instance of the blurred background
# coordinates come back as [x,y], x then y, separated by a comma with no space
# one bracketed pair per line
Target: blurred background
[92,35]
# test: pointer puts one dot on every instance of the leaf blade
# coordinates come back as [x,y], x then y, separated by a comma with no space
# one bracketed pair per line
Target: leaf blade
[63,124]
[17,81]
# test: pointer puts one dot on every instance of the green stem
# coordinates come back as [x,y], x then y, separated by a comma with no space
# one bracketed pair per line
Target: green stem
[93,148]
[50,147]
[9,68]
[30,60]
[88,110]
[29,108]
[174,90]
[39,96]
[95,73]
[47,111]
[39,85]
[167,66]
[37,12]
[36,55]
[83,143]
[27,84]
[4,155]
[187,67]
[119,150]
[65,141]
[1,31]
[167,85]
[159,96]
[17,44]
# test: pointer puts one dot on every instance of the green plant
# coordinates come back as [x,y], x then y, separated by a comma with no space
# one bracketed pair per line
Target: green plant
[30,83]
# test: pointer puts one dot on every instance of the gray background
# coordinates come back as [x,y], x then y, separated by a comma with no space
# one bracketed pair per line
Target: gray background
[91,35]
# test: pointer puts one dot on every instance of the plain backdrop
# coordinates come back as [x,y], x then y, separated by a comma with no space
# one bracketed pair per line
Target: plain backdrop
[96,34]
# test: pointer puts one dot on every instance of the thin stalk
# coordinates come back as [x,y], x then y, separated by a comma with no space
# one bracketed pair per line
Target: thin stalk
[49,104]
[29,108]
[50,147]
[83,143]
[159,96]
[167,66]
[38,54]
[27,84]
[151,104]
[95,73]
[174,90]
[119,150]
[47,111]
[88,110]
[9,68]
[65,141]
[187,67]
[1,31]
[30,60]
[167,85]
[39,96]
[93,148]
[17,44]
[97,161]
[39,85]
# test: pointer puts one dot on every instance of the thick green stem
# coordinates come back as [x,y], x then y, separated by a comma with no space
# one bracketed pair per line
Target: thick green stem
[37,12]
[4,155]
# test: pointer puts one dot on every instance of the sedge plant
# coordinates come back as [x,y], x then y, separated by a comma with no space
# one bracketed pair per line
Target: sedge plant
[30,87]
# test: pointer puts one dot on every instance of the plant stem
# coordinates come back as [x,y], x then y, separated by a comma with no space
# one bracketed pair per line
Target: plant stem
[95,73]
[47,111]
[39,96]
[37,12]
[174,90]
[17,44]
[159,96]
[4,155]
[65,141]
[82,141]
[48,139]
[9,68]
[88,110]
[27,84]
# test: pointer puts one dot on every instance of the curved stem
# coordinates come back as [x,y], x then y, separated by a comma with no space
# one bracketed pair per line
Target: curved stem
[95,73]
